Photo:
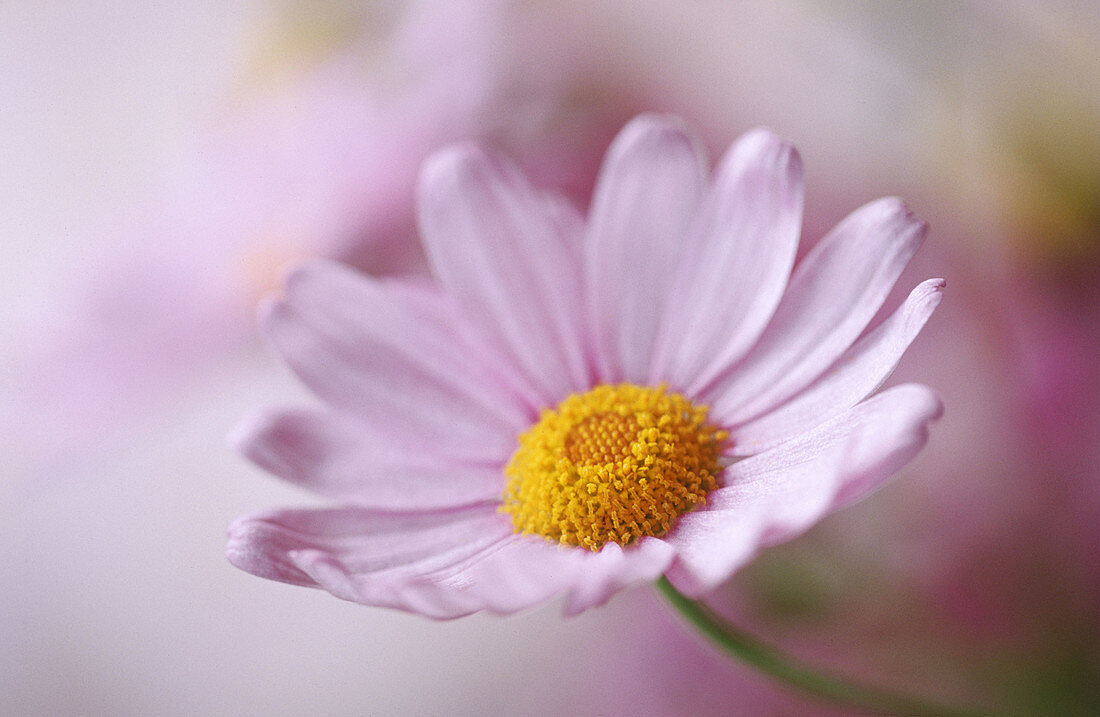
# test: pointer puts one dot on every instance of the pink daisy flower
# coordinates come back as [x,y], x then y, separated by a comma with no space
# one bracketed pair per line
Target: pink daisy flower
[578,406]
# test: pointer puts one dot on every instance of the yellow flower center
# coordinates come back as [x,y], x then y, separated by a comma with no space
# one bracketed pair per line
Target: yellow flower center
[616,463]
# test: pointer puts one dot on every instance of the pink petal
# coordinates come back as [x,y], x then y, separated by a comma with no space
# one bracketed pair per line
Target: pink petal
[337,457]
[853,376]
[776,495]
[393,358]
[527,570]
[358,545]
[736,265]
[648,192]
[399,560]
[508,255]
[518,573]
[604,573]
[833,294]
[442,564]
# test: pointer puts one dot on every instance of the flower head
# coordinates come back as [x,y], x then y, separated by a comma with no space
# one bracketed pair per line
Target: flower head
[577,406]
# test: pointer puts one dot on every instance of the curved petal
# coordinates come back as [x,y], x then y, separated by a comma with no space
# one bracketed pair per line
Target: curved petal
[337,457]
[647,194]
[349,551]
[853,376]
[776,495]
[735,268]
[393,358]
[508,255]
[518,573]
[524,571]
[441,564]
[833,294]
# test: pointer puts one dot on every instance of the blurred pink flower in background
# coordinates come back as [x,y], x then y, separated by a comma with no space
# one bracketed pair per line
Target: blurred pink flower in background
[319,162]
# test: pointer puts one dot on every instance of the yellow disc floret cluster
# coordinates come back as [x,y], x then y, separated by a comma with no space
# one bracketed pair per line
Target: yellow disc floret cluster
[614,464]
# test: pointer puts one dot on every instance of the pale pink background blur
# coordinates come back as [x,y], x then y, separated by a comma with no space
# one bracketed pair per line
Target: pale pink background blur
[116,597]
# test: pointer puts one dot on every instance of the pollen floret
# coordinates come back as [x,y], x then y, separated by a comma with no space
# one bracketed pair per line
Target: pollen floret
[614,464]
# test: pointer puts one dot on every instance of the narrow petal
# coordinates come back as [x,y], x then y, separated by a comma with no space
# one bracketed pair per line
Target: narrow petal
[394,359]
[347,550]
[336,456]
[509,256]
[776,495]
[736,266]
[833,294]
[850,379]
[647,195]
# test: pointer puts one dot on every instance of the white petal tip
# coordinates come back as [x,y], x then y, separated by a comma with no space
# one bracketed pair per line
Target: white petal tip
[262,426]
[895,209]
[929,292]
[241,434]
[763,141]
[304,273]
[764,137]
[455,165]
[761,149]
[652,132]
[924,404]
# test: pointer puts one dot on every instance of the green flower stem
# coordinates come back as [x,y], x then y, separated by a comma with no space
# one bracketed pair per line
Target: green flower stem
[768,660]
